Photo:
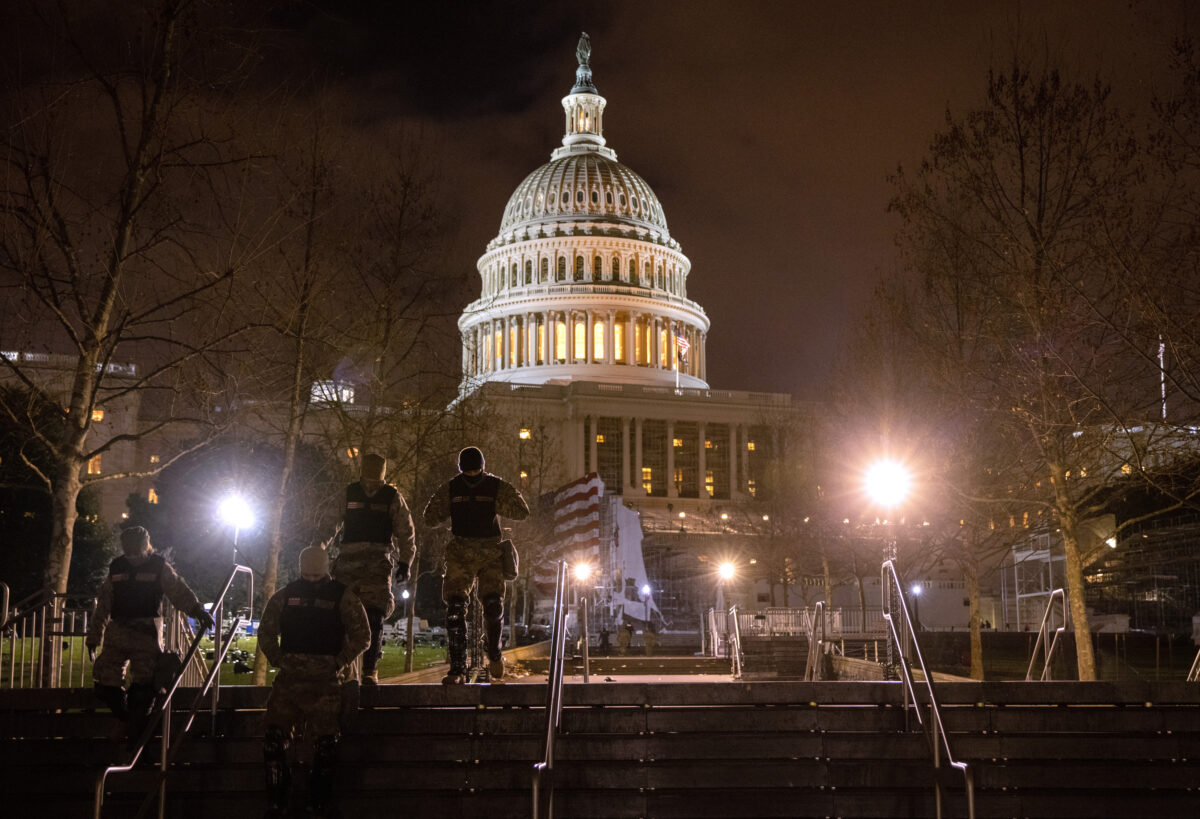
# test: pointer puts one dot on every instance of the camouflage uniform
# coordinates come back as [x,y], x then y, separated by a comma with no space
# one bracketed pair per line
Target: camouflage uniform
[133,642]
[470,560]
[307,688]
[366,566]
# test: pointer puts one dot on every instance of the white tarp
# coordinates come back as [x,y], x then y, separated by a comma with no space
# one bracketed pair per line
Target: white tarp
[627,568]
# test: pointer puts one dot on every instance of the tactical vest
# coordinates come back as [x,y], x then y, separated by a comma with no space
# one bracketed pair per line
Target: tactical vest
[136,590]
[368,520]
[311,622]
[473,508]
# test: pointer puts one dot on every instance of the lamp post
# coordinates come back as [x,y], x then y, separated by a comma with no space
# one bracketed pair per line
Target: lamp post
[888,483]
[582,572]
[726,571]
[915,593]
[234,511]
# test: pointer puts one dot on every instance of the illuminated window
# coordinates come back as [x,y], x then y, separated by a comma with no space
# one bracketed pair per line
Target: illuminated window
[647,476]
[352,452]
[93,467]
[710,483]
[678,480]
[1083,471]
[525,434]
[580,341]
[664,349]
[513,346]
[541,344]
[499,355]
[560,340]
[152,496]
[619,342]
[154,459]
[599,438]
[708,444]
[677,443]
[1025,519]
[638,344]
[752,488]
[749,446]
[97,415]
[597,342]
[1126,469]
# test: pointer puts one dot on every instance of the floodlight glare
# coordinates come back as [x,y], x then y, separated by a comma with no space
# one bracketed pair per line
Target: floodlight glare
[916,589]
[404,594]
[236,512]
[583,571]
[725,571]
[646,590]
[887,482]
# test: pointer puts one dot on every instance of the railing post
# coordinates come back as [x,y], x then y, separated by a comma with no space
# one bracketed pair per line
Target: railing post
[583,611]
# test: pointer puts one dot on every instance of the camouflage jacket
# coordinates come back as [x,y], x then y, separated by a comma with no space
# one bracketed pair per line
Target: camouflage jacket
[175,590]
[354,620]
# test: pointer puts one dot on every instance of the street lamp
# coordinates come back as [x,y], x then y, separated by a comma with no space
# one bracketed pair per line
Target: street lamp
[234,511]
[582,572]
[916,598]
[887,483]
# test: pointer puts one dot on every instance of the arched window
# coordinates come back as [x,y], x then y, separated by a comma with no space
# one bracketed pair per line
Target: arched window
[545,272]
[622,200]
[632,271]
[608,197]
[560,341]
[566,197]
[528,272]
[512,275]
[580,340]
[646,272]
[595,197]
[579,197]
[562,269]
[578,268]
[597,272]
[615,270]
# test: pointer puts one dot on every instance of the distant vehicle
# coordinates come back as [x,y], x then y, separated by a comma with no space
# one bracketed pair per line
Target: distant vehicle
[526,635]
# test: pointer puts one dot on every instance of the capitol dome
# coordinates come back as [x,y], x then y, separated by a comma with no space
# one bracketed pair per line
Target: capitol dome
[583,282]
[587,186]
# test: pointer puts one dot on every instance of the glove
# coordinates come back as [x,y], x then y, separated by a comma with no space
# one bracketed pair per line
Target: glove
[204,620]
[401,572]
[91,650]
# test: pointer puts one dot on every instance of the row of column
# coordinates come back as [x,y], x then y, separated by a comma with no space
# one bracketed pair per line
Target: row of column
[530,340]
[739,437]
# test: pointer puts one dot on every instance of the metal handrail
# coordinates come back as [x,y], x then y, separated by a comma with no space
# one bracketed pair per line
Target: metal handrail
[1044,642]
[812,669]
[163,713]
[735,644]
[1194,674]
[933,727]
[3,604]
[554,688]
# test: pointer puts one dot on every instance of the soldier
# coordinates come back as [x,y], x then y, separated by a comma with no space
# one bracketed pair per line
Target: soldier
[377,539]
[650,637]
[474,501]
[128,622]
[312,630]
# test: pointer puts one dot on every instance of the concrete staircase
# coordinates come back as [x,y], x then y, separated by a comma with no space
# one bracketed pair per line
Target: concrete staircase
[774,658]
[735,749]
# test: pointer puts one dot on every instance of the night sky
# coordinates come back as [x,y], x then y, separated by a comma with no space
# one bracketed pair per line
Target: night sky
[767,129]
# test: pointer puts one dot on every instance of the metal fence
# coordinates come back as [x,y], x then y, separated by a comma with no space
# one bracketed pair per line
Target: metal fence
[42,642]
[793,622]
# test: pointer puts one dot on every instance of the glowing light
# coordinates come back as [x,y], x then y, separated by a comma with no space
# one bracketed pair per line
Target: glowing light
[583,571]
[683,514]
[724,516]
[1112,542]
[726,571]
[236,512]
[524,434]
[646,590]
[888,482]
[404,594]
[916,589]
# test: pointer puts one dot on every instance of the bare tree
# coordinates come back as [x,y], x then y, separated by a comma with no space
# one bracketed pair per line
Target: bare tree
[1001,222]
[120,232]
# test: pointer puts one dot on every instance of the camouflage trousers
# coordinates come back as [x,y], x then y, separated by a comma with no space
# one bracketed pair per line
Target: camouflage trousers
[298,696]
[471,559]
[134,646]
[366,568]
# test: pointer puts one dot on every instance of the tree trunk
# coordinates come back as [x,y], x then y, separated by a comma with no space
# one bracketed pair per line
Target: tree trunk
[973,598]
[64,494]
[1086,660]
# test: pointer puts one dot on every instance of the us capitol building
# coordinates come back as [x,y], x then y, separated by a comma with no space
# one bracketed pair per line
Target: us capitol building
[584,333]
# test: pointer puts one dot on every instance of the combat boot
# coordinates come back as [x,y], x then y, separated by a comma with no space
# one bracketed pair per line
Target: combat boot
[455,676]
[496,668]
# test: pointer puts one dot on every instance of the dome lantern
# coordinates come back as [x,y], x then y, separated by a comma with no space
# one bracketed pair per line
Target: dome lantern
[584,110]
